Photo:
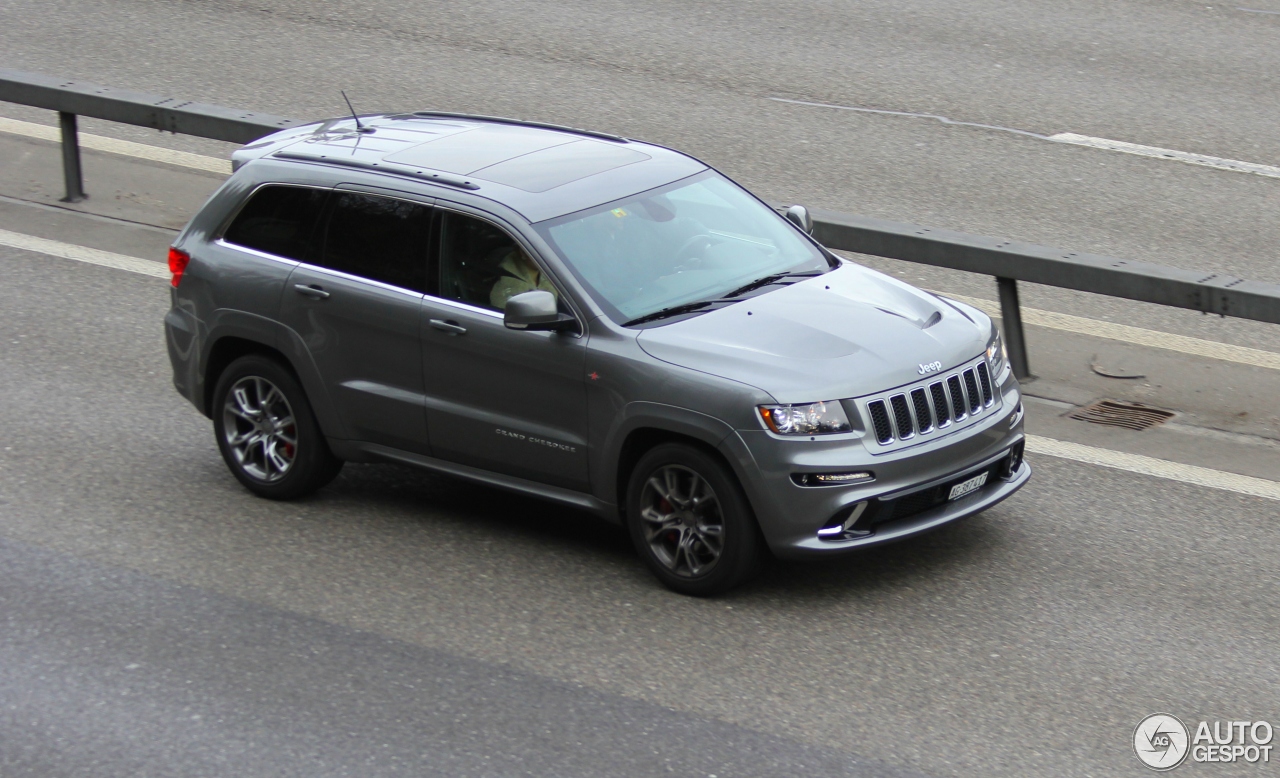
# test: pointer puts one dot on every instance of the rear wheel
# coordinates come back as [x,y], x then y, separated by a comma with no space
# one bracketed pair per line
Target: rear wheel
[266,430]
[690,521]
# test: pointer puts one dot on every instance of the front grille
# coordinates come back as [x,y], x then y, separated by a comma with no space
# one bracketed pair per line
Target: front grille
[925,407]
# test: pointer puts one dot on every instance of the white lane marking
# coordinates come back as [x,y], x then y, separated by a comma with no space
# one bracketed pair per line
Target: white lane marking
[1160,468]
[1127,334]
[1256,11]
[910,115]
[1072,138]
[1270,171]
[121,147]
[56,248]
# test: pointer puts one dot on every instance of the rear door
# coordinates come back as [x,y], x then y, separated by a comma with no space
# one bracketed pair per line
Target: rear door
[505,400]
[356,305]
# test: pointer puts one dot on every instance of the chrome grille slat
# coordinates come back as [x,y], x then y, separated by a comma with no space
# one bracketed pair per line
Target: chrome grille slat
[880,420]
[940,406]
[920,403]
[971,387]
[958,405]
[902,417]
[984,377]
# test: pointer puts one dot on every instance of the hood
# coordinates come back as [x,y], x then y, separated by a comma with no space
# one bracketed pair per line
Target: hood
[846,333]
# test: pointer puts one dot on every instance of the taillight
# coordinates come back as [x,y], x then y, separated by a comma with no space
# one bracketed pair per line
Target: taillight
[178,260]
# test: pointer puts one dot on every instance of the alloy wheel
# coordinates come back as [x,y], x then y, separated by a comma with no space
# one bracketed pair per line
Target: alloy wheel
[259,429]
[683,524]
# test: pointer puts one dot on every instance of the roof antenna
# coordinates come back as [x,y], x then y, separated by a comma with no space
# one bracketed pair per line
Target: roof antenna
[359,127]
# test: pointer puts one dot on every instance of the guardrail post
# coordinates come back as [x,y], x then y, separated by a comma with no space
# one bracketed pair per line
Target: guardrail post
[71,158]
[1014,340]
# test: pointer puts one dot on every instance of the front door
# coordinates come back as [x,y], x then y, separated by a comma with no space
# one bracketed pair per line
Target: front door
[505,400]
[357,308]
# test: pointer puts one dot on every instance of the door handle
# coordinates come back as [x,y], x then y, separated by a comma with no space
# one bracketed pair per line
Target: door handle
[451,327]
[311,291]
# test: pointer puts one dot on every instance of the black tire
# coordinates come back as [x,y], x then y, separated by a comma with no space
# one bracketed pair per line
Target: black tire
[267,432]
[673,522]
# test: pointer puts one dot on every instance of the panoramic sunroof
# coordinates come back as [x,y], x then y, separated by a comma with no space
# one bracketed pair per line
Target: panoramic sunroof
[471,150]
[559,165]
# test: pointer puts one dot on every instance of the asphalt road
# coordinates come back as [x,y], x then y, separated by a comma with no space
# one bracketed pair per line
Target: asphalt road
[143,586]
[404,623]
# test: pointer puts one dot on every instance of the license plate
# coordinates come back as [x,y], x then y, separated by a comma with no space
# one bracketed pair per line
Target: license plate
[965,487]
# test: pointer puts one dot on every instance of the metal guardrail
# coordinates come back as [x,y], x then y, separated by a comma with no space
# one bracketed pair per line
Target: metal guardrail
[1008,261]
[79,98]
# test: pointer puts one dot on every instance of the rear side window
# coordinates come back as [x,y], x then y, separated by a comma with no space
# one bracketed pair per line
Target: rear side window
[278,220]
[378,238]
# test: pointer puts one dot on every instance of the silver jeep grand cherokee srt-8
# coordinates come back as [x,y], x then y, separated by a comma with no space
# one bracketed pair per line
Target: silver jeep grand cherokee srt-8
[588,319]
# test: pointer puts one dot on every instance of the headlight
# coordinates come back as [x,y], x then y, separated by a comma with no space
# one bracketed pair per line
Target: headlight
[996,352]
[812,419]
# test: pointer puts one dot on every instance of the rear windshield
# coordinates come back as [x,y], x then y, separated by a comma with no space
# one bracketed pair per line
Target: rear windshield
[693,240]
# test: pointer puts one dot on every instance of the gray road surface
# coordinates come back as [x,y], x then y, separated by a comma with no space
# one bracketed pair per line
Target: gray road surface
[1027,641]
[403,623]
[1188,76]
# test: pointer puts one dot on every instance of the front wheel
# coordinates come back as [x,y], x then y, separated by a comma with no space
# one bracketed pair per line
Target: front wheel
[690,521]
[267,433]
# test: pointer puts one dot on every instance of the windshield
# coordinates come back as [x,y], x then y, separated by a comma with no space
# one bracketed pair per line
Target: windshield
[697,239]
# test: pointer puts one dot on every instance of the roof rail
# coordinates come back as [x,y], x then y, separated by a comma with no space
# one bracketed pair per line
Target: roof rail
[521,122]
[422,175]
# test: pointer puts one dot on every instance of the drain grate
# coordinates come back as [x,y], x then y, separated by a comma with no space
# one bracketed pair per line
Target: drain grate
[1131,416]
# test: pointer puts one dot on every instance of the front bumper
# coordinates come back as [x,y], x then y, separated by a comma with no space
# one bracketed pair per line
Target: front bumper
[790,515]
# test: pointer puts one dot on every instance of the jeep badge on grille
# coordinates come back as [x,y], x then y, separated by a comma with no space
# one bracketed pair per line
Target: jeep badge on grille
[932,367]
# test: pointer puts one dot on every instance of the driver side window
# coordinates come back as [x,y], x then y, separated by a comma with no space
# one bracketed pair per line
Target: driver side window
[482,265]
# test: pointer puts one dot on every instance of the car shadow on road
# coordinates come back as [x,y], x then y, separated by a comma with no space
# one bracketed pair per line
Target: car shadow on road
[431,500]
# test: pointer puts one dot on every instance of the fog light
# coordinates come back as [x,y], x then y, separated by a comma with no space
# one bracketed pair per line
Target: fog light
[832,479]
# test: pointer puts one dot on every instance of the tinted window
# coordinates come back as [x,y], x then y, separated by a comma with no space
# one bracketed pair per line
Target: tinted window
[482,265]
[277,220]
[379,238]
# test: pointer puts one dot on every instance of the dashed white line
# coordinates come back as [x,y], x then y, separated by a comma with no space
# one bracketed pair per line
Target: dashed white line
[1155,152]
[1106,144]
[1134,463]
[1159,468]
[56,248]
[121,147]
[1122,332]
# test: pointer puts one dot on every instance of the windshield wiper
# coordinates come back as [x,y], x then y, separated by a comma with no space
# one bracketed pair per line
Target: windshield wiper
[771,279]
[672,311]
[728,298]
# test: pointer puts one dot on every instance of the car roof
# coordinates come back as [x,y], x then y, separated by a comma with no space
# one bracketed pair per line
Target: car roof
[541,171]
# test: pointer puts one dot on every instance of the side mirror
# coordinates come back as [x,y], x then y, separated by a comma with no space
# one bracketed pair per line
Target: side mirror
[536,310]
[799,216]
